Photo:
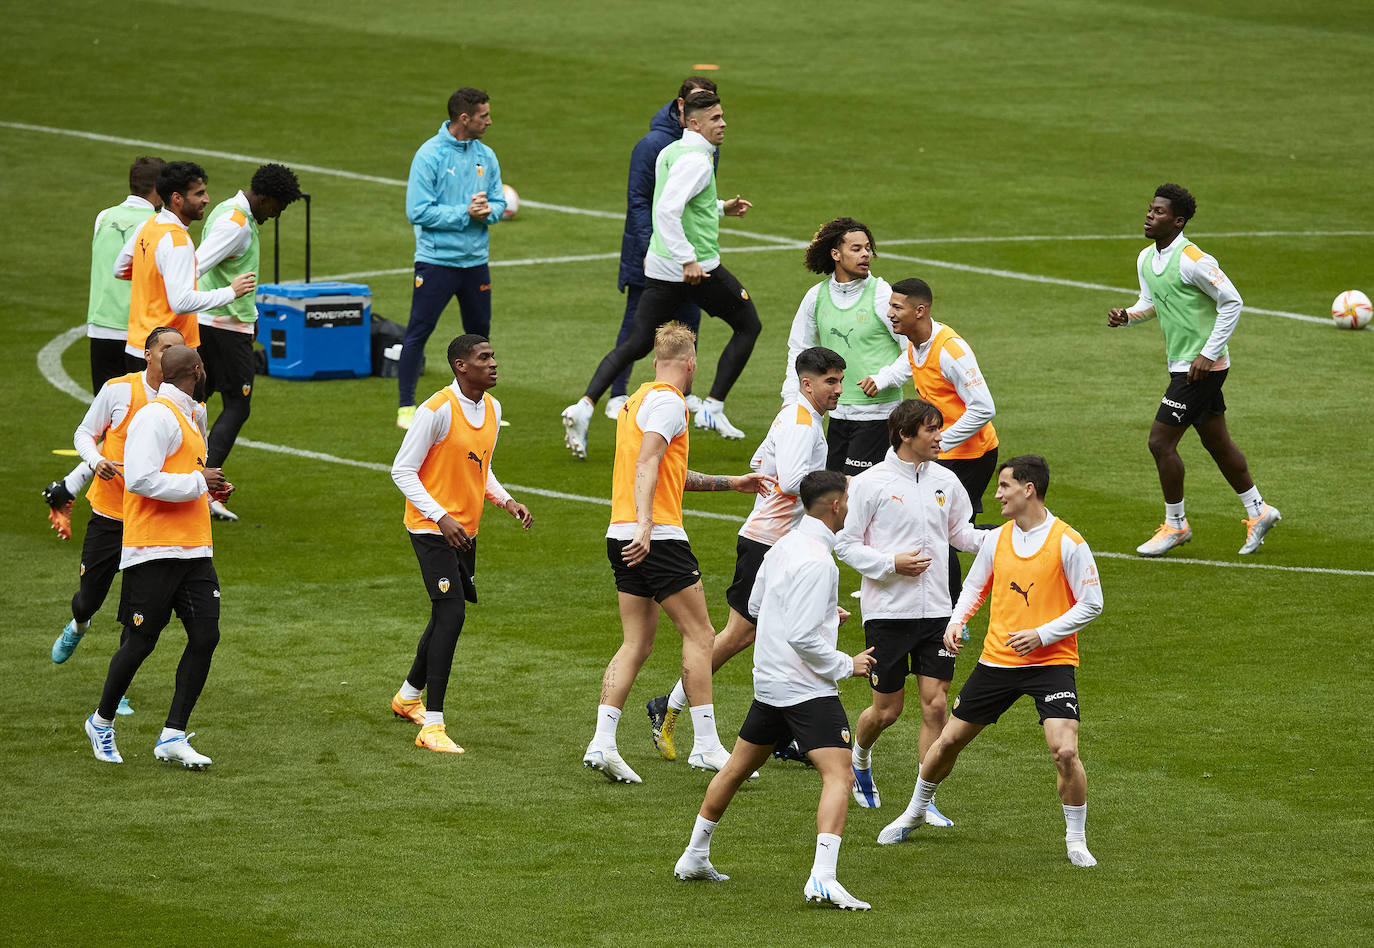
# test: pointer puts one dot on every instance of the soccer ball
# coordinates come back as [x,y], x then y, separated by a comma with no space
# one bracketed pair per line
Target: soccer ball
[513,208]
[1351,310]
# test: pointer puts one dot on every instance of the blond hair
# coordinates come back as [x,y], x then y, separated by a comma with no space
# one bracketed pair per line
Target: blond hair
[674,342]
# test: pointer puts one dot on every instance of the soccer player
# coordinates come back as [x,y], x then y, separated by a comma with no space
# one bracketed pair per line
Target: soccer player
[100,440]
[847,313]
[107,314]
[1198,309]
[796,697]
[1045,590]
[794,447]
[905,513]
[664,129]
[650,556]
[683,263]
[229,248]
[161,261]
[167,556]
[444,470]
[942,367]
[454,196]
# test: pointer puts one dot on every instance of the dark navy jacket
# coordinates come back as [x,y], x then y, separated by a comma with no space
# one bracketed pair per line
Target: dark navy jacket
[664,129]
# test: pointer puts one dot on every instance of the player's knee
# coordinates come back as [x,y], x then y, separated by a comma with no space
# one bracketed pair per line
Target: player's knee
[935,710]
[1065,757]
[1160,445]
[888,714]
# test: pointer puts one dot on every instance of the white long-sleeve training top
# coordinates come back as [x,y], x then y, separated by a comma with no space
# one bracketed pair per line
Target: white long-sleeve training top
[963,373]
[428,428]
[795,598]
[804,335]
[687,178]
[1079,568]
[793,448]
[1203,273]
[899,507]
[155,435]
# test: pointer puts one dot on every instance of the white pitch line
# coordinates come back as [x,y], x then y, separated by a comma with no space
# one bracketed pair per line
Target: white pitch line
[50,365]
[1032,238]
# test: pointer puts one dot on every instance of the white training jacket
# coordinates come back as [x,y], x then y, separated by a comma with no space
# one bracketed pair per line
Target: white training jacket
[899,507]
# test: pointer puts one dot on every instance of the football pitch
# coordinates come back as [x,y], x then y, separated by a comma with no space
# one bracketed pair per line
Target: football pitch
[1005,152]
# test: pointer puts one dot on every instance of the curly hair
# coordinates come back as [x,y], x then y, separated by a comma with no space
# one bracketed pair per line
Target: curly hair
[1181,201]
[276,181]
[829,237]
[177,177]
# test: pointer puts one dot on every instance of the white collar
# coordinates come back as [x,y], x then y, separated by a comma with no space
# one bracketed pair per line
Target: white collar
[812,527]
[695,139]
[457,390]
[177,397]
[1173,244]
[133,200]
[1041,528]
[910,468]
[165,216]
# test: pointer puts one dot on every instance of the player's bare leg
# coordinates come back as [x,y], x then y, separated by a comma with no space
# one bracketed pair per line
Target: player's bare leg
[1260,517]
[935,767]
[639,622]
[873,720]
[687,609]
[934,715]
[695,861]
[1174,531]
[737,636]
[837,778]
[1061,734]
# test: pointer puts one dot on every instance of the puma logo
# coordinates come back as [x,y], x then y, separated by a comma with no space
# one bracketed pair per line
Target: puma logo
[1025,593]
[1176,415]
[843,335]
[449,171]
[1070,704]
[475,459]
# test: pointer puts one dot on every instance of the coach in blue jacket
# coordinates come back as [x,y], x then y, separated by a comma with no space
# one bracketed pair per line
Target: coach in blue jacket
[453,196]
[664,129]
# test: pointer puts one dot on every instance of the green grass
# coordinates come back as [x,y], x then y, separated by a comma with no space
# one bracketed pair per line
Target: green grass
[1226,725]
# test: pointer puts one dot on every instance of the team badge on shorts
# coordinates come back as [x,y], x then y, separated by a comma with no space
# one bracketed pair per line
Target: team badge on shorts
[83,570]
[743,293]
[940,497]
[873,677]
[443,584]
[419,281]
[138,618]
[246,389]
[956,703]
[844,734]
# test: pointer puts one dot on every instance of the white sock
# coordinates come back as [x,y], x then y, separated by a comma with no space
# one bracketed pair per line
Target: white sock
[1075,823]
[704,736]
[168,733]
[607,720]
[1174,516]
[862,757]
[83,627]
[920,799]
[433,717]
[677,698]
[409,692]
[101,722]
[713,404]
[827,854]
[1252,501]
[701,835]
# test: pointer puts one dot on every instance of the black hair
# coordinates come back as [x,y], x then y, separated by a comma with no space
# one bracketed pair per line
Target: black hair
[1029,469]
[462,347]
[699,101]
[829,237]
[1181,201]
[277,182]
[143,174]
[909,417]
[465,102]
[176,177]
[692,83]
[819,360]
[818,484]
[159,331]
[915,288]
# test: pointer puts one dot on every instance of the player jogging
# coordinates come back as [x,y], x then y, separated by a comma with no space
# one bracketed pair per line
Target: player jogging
[1198,309]
[847,312]
[444,470]
[1045,589]
[794,447]
[796,696]
[652,561]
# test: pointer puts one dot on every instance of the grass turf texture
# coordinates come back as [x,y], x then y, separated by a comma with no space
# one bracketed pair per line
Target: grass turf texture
[1226,729]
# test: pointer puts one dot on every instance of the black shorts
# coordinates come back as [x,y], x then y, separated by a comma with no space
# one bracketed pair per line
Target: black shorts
[904,647]
[228,358]
[448,572]
[669,568]
[975,474]
[152,590]
[852,447]
[101,550]
[107,361]
[990,690]
[719,294]
[749,556]
[1187,403]
[820,722]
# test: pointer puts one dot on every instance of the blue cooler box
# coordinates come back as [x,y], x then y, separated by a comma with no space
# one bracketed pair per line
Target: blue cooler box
[316,330]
